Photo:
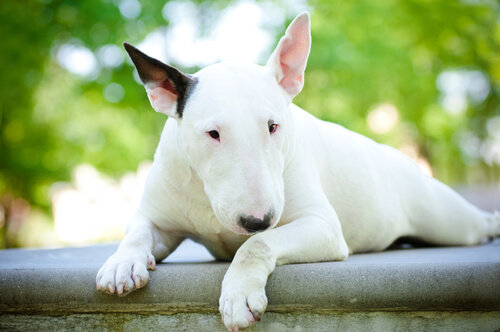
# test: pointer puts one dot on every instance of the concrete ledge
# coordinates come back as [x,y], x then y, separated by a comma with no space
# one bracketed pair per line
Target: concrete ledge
[271,322]
[432,288]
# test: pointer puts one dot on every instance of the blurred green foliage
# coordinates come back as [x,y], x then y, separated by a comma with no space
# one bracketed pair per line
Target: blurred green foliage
[365,53]
[369,52]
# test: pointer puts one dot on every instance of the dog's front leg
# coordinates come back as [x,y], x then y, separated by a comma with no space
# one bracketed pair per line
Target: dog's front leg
[143,245]
[308,239]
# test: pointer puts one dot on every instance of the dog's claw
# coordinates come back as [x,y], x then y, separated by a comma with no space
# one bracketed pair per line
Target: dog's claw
[151,262]
[119,289]
[110,288]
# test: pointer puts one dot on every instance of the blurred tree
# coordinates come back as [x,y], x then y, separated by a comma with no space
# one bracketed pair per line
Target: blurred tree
[369,53]
[25,48]
[371,61]
[51,120]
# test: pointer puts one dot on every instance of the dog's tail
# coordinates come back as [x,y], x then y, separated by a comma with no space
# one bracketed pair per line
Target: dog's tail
[493,224]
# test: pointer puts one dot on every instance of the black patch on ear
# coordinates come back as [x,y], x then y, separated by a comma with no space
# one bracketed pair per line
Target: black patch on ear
[153,71]
[181,102]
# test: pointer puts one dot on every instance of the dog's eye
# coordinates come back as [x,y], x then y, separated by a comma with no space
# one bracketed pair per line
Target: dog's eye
[214,134]
[272,128]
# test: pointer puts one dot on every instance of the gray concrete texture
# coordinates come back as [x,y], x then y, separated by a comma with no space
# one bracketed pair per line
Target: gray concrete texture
[426,321]
[436,286]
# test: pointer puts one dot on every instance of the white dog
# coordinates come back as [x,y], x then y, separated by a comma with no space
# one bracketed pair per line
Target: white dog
[255,179]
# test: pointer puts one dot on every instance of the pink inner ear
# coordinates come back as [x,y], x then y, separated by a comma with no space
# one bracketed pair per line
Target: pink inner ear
[162,99]
[293,57]
[167,85]
[293,77]
[293,51]
[162,96]
[284,67]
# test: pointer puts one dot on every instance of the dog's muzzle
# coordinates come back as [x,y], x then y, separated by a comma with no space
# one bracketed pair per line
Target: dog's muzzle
[254,225]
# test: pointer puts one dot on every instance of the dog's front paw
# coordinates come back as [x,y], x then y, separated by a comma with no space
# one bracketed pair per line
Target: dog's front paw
[241,304]
[124,272]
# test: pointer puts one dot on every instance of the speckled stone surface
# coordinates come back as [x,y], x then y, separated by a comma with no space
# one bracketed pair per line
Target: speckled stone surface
[445,283]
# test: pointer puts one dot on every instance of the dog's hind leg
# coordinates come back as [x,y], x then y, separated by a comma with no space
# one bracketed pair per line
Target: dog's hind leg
[441,216]
[493,220]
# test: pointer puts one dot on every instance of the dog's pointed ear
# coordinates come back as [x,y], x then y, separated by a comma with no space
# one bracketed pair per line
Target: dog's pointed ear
[289,59]
[166,86]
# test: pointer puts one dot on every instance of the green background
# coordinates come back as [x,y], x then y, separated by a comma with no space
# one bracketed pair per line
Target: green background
[364,53]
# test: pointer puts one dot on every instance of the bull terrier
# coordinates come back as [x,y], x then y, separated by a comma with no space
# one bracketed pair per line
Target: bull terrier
[257,180]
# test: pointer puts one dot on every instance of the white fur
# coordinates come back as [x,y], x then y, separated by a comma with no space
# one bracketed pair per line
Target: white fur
[333,192]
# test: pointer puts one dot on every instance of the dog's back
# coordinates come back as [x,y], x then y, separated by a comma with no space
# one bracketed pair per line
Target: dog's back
[380,194]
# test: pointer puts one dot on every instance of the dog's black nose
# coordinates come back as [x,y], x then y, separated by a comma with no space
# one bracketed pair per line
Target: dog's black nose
[254,225]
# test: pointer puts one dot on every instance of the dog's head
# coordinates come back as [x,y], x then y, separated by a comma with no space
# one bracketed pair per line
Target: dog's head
[234,126]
